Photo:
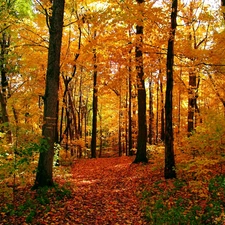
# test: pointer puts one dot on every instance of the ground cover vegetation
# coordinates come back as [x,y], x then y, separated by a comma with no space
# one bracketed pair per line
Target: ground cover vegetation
[112,112]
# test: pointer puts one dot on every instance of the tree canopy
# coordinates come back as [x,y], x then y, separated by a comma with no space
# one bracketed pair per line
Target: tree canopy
[114,78]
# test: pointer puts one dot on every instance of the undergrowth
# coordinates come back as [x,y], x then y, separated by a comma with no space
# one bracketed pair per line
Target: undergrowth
[35,203]
[196,197]
[18,163]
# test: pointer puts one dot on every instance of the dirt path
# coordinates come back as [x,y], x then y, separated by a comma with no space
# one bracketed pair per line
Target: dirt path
[106,192]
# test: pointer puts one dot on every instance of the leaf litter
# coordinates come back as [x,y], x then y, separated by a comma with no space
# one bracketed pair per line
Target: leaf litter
[103,191]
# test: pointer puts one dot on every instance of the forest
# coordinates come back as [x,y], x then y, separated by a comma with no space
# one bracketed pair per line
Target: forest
[112,112]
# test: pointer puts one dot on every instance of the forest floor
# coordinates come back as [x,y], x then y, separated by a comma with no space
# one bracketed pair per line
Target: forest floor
[103,191]
[100,191]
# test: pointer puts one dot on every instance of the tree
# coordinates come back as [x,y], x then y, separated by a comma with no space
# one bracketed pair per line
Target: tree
[95,109]
[5,44]
[169,170]
[223,4]
[142,128]
[11,13]
[44,176]
[151,114]
[194,78]
[70,79]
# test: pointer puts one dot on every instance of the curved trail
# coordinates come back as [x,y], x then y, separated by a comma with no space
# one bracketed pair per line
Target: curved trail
[107,192]
[104,191]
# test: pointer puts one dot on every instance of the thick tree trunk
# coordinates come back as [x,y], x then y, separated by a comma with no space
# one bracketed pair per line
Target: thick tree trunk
[44,176]
[142,128]
[95,111]
[169,171]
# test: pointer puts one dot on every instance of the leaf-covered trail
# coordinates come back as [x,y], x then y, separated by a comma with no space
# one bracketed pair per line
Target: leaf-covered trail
[106,192]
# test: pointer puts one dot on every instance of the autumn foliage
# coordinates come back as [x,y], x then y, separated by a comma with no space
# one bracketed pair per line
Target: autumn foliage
[113,190]
[135,81]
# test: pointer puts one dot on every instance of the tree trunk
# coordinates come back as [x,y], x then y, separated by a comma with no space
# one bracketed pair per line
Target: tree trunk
[157,113]
[162,107]
[86,122]
[125,150]
[191,102]
[5,43]
[95,111]
[120,125]
[64,102]
[162,112]
[101,133]
[169,171]
[151,114]
[80,107]
[44,176]
[142,128]
[130,144]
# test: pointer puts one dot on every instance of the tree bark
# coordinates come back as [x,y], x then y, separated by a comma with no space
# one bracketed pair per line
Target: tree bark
[120,125]
[192,101]
[142,127]
[151,114]
[95,111]
[129,108]
[4,92]
[162,112]
[157,113]
[44,176]
[169,170]
[101,133]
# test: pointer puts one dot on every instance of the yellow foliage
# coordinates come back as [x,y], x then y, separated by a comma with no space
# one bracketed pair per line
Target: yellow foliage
[80,142]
